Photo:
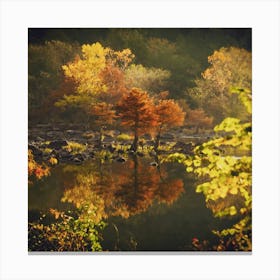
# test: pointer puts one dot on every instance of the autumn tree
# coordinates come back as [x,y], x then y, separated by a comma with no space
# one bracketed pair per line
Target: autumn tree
[170,114]
[84,71]
[229,67]
[89,74]
[136,111]
[103,114]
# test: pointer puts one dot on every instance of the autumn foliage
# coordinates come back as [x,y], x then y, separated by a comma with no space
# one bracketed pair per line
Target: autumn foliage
[170,114]
[198,119]
[35,169]
[103,114]
[136,110]
[98,71]
[229,67]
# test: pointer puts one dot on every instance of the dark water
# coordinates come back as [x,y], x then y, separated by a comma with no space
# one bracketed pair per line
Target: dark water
[145,207]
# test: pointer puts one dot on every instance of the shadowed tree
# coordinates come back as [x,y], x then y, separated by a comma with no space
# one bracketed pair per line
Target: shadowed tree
[198,119]
[45,75]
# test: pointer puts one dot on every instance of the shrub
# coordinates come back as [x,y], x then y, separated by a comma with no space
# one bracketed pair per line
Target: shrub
[75,148]
[123,137]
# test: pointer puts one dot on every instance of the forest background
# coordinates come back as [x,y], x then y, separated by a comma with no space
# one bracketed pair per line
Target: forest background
[171,61]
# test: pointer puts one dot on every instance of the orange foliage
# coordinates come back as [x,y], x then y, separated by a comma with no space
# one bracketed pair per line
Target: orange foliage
[169,191]
[169,114]
[136,110]
[103,113]
[198,118]
[113,78]
[36,169]
[131,189]
[140,185]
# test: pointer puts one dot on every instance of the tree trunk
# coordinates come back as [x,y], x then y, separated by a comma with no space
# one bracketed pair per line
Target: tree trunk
[157,142]
[100,137]
[134,146]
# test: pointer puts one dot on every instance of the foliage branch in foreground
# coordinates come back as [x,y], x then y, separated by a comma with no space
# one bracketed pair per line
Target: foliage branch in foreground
[226,177]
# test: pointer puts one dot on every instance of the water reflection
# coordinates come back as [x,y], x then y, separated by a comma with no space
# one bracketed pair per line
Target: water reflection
[122,189]
[145,205]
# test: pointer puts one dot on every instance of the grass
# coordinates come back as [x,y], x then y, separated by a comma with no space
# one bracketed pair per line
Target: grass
[75,148]
[123,137]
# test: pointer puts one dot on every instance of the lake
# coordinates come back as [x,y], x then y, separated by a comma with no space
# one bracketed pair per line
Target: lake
[146,206]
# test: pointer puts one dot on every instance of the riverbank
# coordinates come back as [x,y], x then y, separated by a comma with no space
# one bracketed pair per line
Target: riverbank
[75,143]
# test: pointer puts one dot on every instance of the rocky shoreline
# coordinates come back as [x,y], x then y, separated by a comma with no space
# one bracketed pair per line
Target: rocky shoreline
[76,144]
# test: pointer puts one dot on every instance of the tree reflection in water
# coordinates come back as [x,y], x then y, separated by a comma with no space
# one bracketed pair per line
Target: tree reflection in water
[99,190]
[129,189]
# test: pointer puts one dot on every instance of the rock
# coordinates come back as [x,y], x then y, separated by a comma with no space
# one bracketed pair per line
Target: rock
[39,139]
[108,139]
[77,160]
[120,151]
[35,150]
[120,159]
[91,154]
[110,148]
[184,147]
[65,155]
[131,152]
[58,144]
[167,136]
[147,137]
[81,157]
[152,153]
[47,125]
[70,131]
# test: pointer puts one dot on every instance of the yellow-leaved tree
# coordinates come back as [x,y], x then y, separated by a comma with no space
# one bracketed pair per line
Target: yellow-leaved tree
[224,166]
[87,74]
[229,67]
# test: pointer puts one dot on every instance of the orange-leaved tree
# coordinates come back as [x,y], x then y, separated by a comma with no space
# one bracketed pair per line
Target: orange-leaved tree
[103,114]
[169,114]
[136,110]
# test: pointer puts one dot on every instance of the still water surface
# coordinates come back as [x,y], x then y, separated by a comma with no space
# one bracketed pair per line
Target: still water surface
[145,207]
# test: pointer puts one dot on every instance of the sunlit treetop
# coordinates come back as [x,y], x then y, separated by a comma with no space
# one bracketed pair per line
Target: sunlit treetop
[229,67]
[88,72]
[153,80]
[85,70]
[136,109]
